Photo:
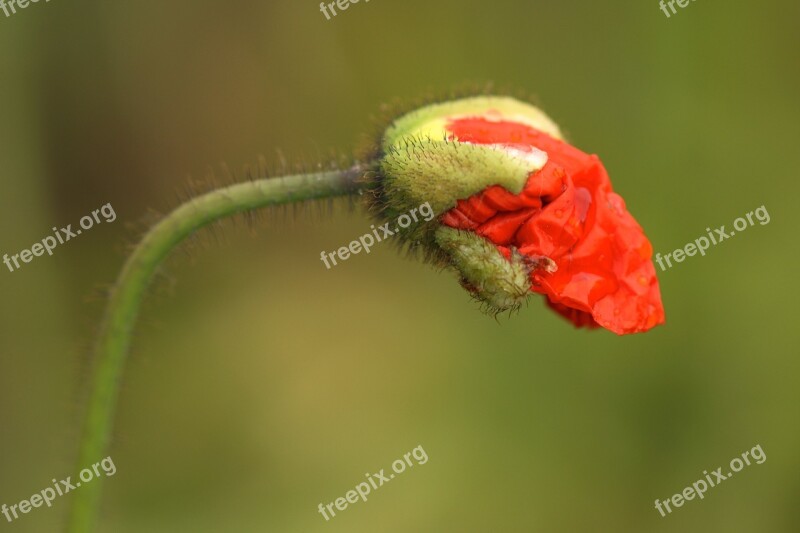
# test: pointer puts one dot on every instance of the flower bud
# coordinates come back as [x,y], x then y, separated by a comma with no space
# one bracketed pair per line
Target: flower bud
[517,210]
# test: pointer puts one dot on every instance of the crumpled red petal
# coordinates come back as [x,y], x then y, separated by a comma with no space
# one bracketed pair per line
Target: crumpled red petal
[568,212]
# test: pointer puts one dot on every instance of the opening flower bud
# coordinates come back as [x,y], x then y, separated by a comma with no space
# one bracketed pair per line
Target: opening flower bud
[517,211]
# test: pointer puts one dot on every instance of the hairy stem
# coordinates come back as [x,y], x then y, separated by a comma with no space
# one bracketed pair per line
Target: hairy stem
[114,340]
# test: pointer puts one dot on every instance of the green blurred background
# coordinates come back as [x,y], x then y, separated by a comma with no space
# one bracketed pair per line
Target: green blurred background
[263,384]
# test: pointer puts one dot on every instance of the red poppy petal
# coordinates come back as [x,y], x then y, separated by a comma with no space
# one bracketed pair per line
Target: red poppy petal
[569,213]
[502,228]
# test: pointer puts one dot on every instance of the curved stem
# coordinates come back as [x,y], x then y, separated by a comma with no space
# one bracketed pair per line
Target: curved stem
[114,341]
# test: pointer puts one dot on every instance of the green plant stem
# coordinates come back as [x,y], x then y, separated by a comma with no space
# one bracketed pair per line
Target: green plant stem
[114,340]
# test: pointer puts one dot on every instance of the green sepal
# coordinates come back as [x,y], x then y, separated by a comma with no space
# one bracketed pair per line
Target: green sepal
[500,283]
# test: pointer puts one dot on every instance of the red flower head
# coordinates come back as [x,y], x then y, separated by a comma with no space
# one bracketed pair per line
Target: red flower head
[520,211]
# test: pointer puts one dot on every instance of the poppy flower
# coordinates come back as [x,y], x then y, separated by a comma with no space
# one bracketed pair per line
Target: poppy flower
[520,211]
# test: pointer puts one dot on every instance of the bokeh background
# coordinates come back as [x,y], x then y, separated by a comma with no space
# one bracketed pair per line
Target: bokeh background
[262,384]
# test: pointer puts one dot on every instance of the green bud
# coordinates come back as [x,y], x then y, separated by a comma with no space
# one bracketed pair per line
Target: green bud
[419,162]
